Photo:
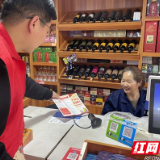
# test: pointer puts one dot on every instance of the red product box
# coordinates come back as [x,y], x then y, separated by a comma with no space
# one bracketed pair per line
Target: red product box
[38,56]
[158,39]
[150,36]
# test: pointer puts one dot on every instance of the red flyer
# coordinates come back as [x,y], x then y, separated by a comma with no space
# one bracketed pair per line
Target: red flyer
[72,154]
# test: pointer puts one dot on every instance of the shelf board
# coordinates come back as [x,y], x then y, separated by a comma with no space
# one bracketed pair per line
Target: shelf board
[53,22]
[99,26]
[93,83]
[44,64]
[48,45]
[151,54]
[93,105]
[134,56]
[47,83]
[149,18]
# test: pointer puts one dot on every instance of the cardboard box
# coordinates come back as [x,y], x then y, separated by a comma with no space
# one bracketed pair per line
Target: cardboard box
[27,136]
[150,36]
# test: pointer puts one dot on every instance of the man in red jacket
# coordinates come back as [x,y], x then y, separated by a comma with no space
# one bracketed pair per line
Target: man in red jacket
[24,26]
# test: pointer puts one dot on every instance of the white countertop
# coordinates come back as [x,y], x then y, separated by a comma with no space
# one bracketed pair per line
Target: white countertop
[45,135]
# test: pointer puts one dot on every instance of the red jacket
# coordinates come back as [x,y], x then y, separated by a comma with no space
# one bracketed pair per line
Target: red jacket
[13,134]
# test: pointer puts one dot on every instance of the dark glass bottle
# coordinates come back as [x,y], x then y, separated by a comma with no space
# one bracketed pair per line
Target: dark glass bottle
[118,15]
[132,45]
[132,14]
[88,71]
[111,16]
[96,45]
[101,72]
[71,44]
[124,46]
[126,15]
[69,72]
[120,74]
[104,16]
[77,17]
[76,71]
[108,73]
[97,16]
[110,45]
[82,71]
[117,46]
[89,45]
[83,44]
[94,72]
[90,17]
[103,45]
[76,45]
[114,74]
[83,17]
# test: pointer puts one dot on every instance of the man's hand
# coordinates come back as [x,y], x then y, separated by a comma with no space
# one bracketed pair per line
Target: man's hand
[55,95]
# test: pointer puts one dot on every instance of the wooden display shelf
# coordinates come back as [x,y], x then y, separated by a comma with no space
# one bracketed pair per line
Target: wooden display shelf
[53,22]
[94,83]
[48,45]
[44,64]
[95,109]
[149,18]
[99,26]
[150,54]
[134,56]
[47,83]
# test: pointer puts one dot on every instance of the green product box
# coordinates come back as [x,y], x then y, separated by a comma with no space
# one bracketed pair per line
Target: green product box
[34,56]
[37,49]
[51,57]
[114,127]
[42,56]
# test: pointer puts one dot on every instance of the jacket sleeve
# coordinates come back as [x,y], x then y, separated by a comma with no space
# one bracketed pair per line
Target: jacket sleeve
[36,91]
[4,107]
[109,105]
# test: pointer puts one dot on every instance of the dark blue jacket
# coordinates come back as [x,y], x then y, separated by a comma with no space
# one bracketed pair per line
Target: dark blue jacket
[118,101]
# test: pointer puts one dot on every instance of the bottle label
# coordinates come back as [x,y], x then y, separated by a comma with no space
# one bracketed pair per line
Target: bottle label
[95,70]
[117,44]
[110,44]
[103,44]
[109,71]
[91,15]
[83,15]
[96,44]
[115,71]
[132,44]
[124,44]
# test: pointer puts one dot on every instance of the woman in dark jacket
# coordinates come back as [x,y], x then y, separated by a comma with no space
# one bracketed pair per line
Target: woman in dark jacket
[131,98]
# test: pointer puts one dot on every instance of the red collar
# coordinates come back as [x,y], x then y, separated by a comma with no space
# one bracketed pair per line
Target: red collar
[6,39]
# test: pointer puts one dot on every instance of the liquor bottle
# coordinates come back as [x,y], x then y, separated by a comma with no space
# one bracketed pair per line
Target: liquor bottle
[110,45]
[77,17]
[71,44]
[96,45]
[118,15]
[120,74]
[132,14]
[69,72]
[114,74]
[101,72]
[90,17]
[108,73]
[124,45]
[88,71]
[76,45]
[126,15]
[97,17]
[83,17]
[89,45]
[131,46]
[83,44]
[82,71]
[116,46]
[76,71]
[94,72]
[111,16]
[154,8]
[104,16]
[103,45]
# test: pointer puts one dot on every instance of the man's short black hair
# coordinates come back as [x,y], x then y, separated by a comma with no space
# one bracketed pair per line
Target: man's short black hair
[16,11]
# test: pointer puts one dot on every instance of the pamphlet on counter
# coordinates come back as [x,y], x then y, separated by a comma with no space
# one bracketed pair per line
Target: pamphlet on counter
[70,105]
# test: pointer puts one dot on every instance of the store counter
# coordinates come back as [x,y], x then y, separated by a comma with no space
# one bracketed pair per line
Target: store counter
[46,135]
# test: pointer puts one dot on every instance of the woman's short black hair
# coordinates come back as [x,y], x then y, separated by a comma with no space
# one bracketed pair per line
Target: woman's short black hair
[16,11]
